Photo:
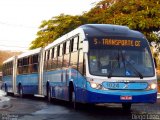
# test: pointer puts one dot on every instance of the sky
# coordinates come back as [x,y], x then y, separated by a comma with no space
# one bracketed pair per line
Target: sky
[20,19]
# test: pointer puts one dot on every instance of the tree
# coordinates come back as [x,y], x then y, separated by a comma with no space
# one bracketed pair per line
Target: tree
[56,27]
[141,15]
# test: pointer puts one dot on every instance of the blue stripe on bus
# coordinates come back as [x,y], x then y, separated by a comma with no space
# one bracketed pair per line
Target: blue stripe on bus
[30,89]
[29,83]
[97,96]
[8,81]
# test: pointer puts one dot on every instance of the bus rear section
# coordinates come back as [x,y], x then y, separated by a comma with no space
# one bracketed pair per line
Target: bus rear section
[9,74]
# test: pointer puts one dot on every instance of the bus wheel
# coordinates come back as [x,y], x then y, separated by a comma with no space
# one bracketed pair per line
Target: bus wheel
[73,100]
[20,91]
[48,94]
[5,88]
[126,107]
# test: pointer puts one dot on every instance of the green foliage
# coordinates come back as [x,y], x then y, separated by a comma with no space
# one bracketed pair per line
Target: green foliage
[141,15]
[56,27]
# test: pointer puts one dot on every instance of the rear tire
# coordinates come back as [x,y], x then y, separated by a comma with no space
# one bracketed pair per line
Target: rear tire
[48,94]
[20,91]
[72,99]
[6,88]
[126,107]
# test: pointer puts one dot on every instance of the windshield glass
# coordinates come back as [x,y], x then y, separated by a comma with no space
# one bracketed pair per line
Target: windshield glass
[115,60]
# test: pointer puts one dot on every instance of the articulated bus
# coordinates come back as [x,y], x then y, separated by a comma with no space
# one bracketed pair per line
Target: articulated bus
[21,73]
[95,63]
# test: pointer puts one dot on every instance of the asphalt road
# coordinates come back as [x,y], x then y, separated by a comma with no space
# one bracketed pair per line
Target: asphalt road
[39,109]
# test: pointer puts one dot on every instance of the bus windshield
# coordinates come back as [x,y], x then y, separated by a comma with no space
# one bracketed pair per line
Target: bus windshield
[120,58]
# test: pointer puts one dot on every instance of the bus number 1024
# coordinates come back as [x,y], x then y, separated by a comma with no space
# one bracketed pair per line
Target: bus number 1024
[112,85]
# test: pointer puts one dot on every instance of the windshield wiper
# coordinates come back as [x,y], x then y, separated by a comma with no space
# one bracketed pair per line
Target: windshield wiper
[135,70]
[139,74]
[123,60]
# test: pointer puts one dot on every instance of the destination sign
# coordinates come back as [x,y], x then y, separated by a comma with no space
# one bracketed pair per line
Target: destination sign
[116,42]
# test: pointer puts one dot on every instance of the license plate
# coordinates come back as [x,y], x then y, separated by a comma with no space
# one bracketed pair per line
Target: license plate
[126,97]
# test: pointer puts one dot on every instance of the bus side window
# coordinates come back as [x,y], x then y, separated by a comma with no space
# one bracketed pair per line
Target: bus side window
[34,64]
[74,53]
[75,44]
[80,44]
[52,59]
[48,59]
[66,55]
[71,45]
[20,66]
[59,54]
[54,64]
[30,64]
[45,60]
[52,53]
[80,62]
[25,65]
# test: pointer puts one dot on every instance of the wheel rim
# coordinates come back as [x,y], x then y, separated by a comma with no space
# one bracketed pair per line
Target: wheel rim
[73,96]
[49,95]
[6,88]
[20,92]
[74,100]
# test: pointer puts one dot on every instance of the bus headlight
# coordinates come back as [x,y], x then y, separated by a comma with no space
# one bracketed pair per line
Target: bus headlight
[95,85]
[153,86]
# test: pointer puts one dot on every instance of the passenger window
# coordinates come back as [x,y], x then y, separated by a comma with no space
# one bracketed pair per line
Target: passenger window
[61,50]
[55,52]
[48,54]
[71,45]
[58,50]
[64,48]
[67,47]
[52,53]
[75,44]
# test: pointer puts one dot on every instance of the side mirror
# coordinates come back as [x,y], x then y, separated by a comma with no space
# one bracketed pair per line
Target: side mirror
[85,46]
[155,62]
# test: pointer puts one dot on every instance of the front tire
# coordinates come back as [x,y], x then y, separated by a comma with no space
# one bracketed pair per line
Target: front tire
[48,94]
[20,91]
[126,107]
[72,99]
[6,88]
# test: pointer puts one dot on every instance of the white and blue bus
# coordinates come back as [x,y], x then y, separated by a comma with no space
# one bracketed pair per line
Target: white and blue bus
[97,63]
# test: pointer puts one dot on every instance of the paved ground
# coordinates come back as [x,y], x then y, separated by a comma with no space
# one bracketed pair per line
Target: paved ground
[39,109]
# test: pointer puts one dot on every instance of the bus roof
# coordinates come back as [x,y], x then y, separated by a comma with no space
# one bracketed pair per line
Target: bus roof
[29,53]
[65,37]
[110,30]
[9,59]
